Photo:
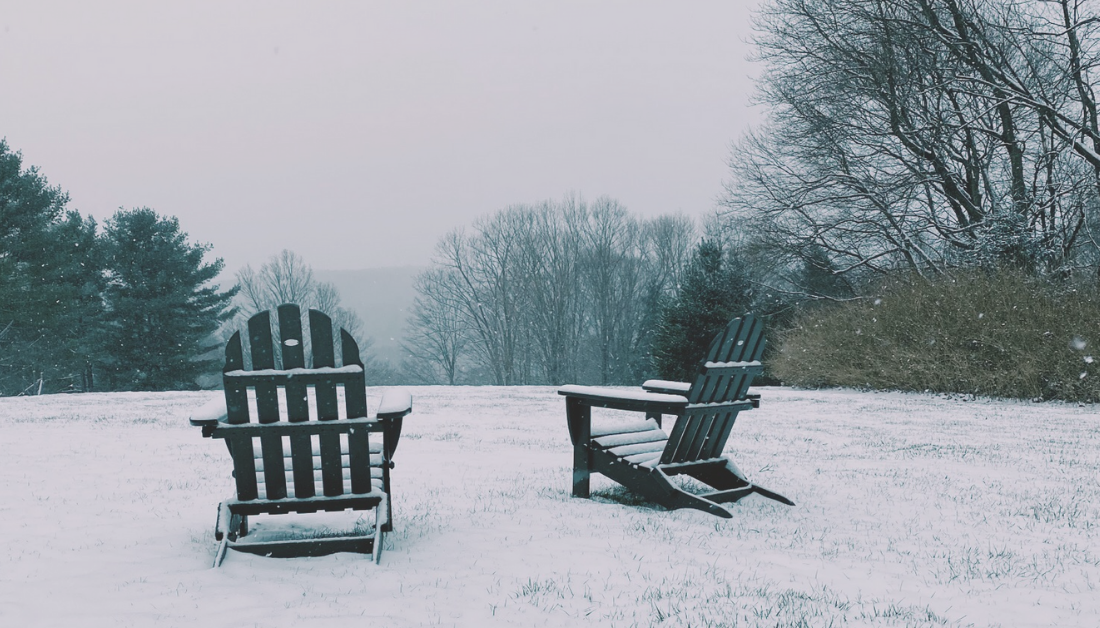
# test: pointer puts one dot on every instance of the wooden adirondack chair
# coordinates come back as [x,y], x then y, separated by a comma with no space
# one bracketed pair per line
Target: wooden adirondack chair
[642,457]
[295,447]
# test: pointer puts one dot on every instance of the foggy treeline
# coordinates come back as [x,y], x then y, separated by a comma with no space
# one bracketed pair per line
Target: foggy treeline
[562,291]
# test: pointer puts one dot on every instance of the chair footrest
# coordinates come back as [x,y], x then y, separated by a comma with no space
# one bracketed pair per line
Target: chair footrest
[306,547]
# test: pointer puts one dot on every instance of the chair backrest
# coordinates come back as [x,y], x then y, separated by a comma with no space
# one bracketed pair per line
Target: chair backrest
[718,393]
[295,380]
[294,377]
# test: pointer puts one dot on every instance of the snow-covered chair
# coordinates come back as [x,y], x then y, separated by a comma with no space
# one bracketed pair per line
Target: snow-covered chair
[641,456]
[300,437]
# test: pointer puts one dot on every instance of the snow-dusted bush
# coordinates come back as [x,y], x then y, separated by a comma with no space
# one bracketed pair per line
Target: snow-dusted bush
[999,334]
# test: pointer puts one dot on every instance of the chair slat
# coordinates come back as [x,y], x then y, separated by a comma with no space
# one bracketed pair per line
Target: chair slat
[710,385]
[718,345]
[293,349]
[332,484]
[359,460]
[345,462]
[259,337]
[272,447]
[743,336]
[345,477]
[290,336]
[754,345]
[301,454]
[699,422]
[681,437]
[236,393]
[320,331]
[355,395]
[244,466]
[728,341]
[263,357]
[721,434]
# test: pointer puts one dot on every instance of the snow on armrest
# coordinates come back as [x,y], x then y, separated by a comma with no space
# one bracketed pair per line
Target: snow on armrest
[210,413]
[611,393]
[665,386]
[395,404]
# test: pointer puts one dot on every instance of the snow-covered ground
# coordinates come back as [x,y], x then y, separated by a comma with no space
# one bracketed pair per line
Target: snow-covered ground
[912,510]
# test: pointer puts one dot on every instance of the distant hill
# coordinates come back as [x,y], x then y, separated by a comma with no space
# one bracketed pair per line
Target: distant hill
[382,298]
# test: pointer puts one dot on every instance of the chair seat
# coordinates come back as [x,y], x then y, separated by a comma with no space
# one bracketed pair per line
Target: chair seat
[640,443]
[311,504]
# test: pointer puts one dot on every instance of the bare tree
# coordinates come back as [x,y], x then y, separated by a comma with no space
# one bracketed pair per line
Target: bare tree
[550,293]
[550,250]
[487,285]
[437,335]
[922,134]
[287,278]
[669,240]
[612,274]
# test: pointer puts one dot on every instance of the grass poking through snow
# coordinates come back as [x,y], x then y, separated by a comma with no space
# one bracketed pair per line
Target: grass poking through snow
[913,510]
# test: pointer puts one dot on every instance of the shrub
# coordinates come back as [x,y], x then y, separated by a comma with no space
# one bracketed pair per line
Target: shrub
[997,334]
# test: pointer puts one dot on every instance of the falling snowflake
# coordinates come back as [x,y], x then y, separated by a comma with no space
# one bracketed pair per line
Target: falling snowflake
[1078,343]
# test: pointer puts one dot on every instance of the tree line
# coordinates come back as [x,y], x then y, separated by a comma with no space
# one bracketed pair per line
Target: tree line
[924,136]
[569,291]
[130,306]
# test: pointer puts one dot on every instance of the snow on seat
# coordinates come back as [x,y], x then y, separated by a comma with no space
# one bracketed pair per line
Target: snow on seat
[640,448]
[632,438]
[624,428]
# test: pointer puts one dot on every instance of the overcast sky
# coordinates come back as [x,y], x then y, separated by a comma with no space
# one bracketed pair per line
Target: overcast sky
[357,133]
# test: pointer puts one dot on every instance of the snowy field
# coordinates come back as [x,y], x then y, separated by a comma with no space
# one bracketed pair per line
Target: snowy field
[912,510]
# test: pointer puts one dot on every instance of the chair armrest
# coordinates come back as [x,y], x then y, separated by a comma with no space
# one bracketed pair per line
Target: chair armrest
[210,413]
[666,387]
[395,404]
[681,388]
[640,401]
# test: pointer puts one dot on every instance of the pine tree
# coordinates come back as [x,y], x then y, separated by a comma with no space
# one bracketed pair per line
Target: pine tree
[49,284]
[715,290]
[162,310]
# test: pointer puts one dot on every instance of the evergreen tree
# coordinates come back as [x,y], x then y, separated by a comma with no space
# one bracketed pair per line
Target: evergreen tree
[819,278]
[162,310]
[49,284]
[715,290]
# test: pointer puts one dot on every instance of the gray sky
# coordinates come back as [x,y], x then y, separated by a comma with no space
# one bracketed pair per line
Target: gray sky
[357,133]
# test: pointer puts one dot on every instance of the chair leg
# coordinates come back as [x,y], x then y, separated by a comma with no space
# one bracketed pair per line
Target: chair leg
[579,417]
[221,524]
[242,526]
[220,555]
[224,531]
[379,529]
